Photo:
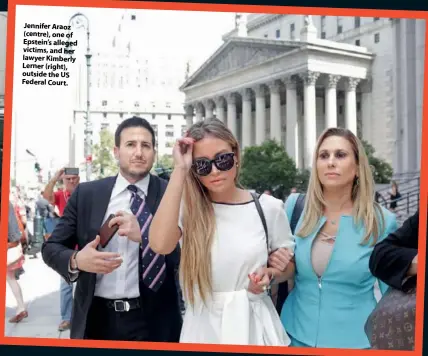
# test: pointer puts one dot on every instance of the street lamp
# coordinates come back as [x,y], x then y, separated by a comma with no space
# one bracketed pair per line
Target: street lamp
[78,21]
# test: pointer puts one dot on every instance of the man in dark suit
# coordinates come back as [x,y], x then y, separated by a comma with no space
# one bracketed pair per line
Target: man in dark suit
[124,291]
[395,259]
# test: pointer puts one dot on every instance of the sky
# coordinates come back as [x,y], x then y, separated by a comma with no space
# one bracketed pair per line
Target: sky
[42,114]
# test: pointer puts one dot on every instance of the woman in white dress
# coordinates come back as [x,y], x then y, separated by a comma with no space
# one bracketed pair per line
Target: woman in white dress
[224,254]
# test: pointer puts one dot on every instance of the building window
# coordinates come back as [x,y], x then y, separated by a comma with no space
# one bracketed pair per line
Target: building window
[168,105]
[137,104]
[169,116]
[266,35]
[357,22]
[358,106]
[278,33]
[104,103]
[376,38]
[133,17]
[375,18]
[357,42]
[104,115]
[292,28]
[339,25]
[153,116]
[323,35]
[121,115]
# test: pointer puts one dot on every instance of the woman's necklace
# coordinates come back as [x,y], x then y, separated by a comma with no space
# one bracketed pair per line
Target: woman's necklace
[334,221]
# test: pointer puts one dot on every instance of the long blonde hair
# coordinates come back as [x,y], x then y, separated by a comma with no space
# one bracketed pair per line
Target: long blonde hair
[365,209]
[199,220]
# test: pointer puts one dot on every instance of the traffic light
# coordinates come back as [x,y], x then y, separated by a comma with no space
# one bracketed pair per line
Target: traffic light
[37,167]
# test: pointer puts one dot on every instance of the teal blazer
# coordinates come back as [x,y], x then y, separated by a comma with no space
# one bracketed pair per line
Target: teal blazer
[331,312]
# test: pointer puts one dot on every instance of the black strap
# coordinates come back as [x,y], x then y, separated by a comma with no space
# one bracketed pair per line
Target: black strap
[297,211]
[283,287]
[262,216]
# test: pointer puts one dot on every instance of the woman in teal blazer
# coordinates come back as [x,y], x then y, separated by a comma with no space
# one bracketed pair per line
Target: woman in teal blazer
[333,292]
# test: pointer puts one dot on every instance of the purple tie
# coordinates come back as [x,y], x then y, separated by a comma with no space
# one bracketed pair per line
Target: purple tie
[154,268]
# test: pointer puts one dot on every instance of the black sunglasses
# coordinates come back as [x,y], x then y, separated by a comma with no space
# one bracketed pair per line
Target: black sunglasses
[222,161]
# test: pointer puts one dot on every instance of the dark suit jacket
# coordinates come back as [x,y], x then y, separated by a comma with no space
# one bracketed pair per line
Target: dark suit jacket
[392,257]
[79,225]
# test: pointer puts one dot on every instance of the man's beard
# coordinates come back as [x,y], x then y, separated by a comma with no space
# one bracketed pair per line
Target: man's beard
[135,175]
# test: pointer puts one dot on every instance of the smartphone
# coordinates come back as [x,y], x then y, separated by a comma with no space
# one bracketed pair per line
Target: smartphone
[106,233]
[71,171]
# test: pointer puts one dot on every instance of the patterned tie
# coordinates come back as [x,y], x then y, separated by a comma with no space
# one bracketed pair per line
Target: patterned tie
[154,268]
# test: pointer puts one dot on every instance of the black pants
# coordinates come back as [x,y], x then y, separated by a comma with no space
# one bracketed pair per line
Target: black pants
[104,323]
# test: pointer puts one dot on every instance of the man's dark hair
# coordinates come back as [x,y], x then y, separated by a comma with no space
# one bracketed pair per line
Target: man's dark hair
[134,121]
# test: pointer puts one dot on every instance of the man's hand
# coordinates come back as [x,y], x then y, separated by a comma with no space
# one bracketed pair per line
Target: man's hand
[280,258]
[128,226]
[90,260]
[413,269]
[58,175]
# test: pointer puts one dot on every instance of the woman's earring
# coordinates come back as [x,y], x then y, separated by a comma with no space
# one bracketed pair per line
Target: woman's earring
[357,181]
[237,164]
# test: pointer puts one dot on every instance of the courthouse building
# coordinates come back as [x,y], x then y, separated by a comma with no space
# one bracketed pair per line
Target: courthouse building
[288,77]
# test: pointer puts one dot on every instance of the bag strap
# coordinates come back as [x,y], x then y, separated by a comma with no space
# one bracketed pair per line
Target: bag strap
[262,216]
[297,211]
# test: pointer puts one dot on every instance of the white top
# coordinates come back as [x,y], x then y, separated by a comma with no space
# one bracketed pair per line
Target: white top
[233,315]
[123,282]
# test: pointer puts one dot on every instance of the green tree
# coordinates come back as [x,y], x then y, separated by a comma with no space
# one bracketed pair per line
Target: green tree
[104,164]
[164,161]
[302,180]
[382,170]
[268,167]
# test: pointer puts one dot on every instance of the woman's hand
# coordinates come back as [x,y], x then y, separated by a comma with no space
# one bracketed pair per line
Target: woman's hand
[182,153]
[260,280]
[280,258]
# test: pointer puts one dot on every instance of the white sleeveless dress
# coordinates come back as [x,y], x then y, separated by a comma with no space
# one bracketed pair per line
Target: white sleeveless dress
[232,315]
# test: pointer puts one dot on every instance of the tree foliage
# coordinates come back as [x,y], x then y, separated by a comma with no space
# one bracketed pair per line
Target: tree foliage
[382,170]
[104,163]
[268,167]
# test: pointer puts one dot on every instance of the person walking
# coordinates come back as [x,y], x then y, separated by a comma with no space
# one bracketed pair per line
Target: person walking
[226,235]
[339,226]
[15,261]
[59,200]
[124,290]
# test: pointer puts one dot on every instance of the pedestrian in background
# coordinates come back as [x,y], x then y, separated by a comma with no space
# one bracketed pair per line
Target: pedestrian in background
[59,199]
[15,260]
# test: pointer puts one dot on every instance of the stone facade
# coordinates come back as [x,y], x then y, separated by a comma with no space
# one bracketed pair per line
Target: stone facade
[290,93]
[388,96]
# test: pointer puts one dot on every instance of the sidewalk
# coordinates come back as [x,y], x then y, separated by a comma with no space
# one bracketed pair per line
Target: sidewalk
[40,287]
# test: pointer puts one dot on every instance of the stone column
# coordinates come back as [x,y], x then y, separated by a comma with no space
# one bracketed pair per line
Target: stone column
[275,112]
[199,112]
[351,105]
[292,112]
[209,109]
[366,110]
[231,113]
[189,115]
[309,121]
[246,117]
[260,92]
[331,102]
[220,109]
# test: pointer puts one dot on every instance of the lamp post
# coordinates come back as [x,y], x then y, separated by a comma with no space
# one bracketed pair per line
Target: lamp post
[78,21]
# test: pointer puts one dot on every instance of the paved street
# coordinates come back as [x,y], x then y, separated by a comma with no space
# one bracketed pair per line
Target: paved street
[40,287]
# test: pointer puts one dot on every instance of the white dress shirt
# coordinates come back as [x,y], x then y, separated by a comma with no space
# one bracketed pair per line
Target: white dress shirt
[123,282]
